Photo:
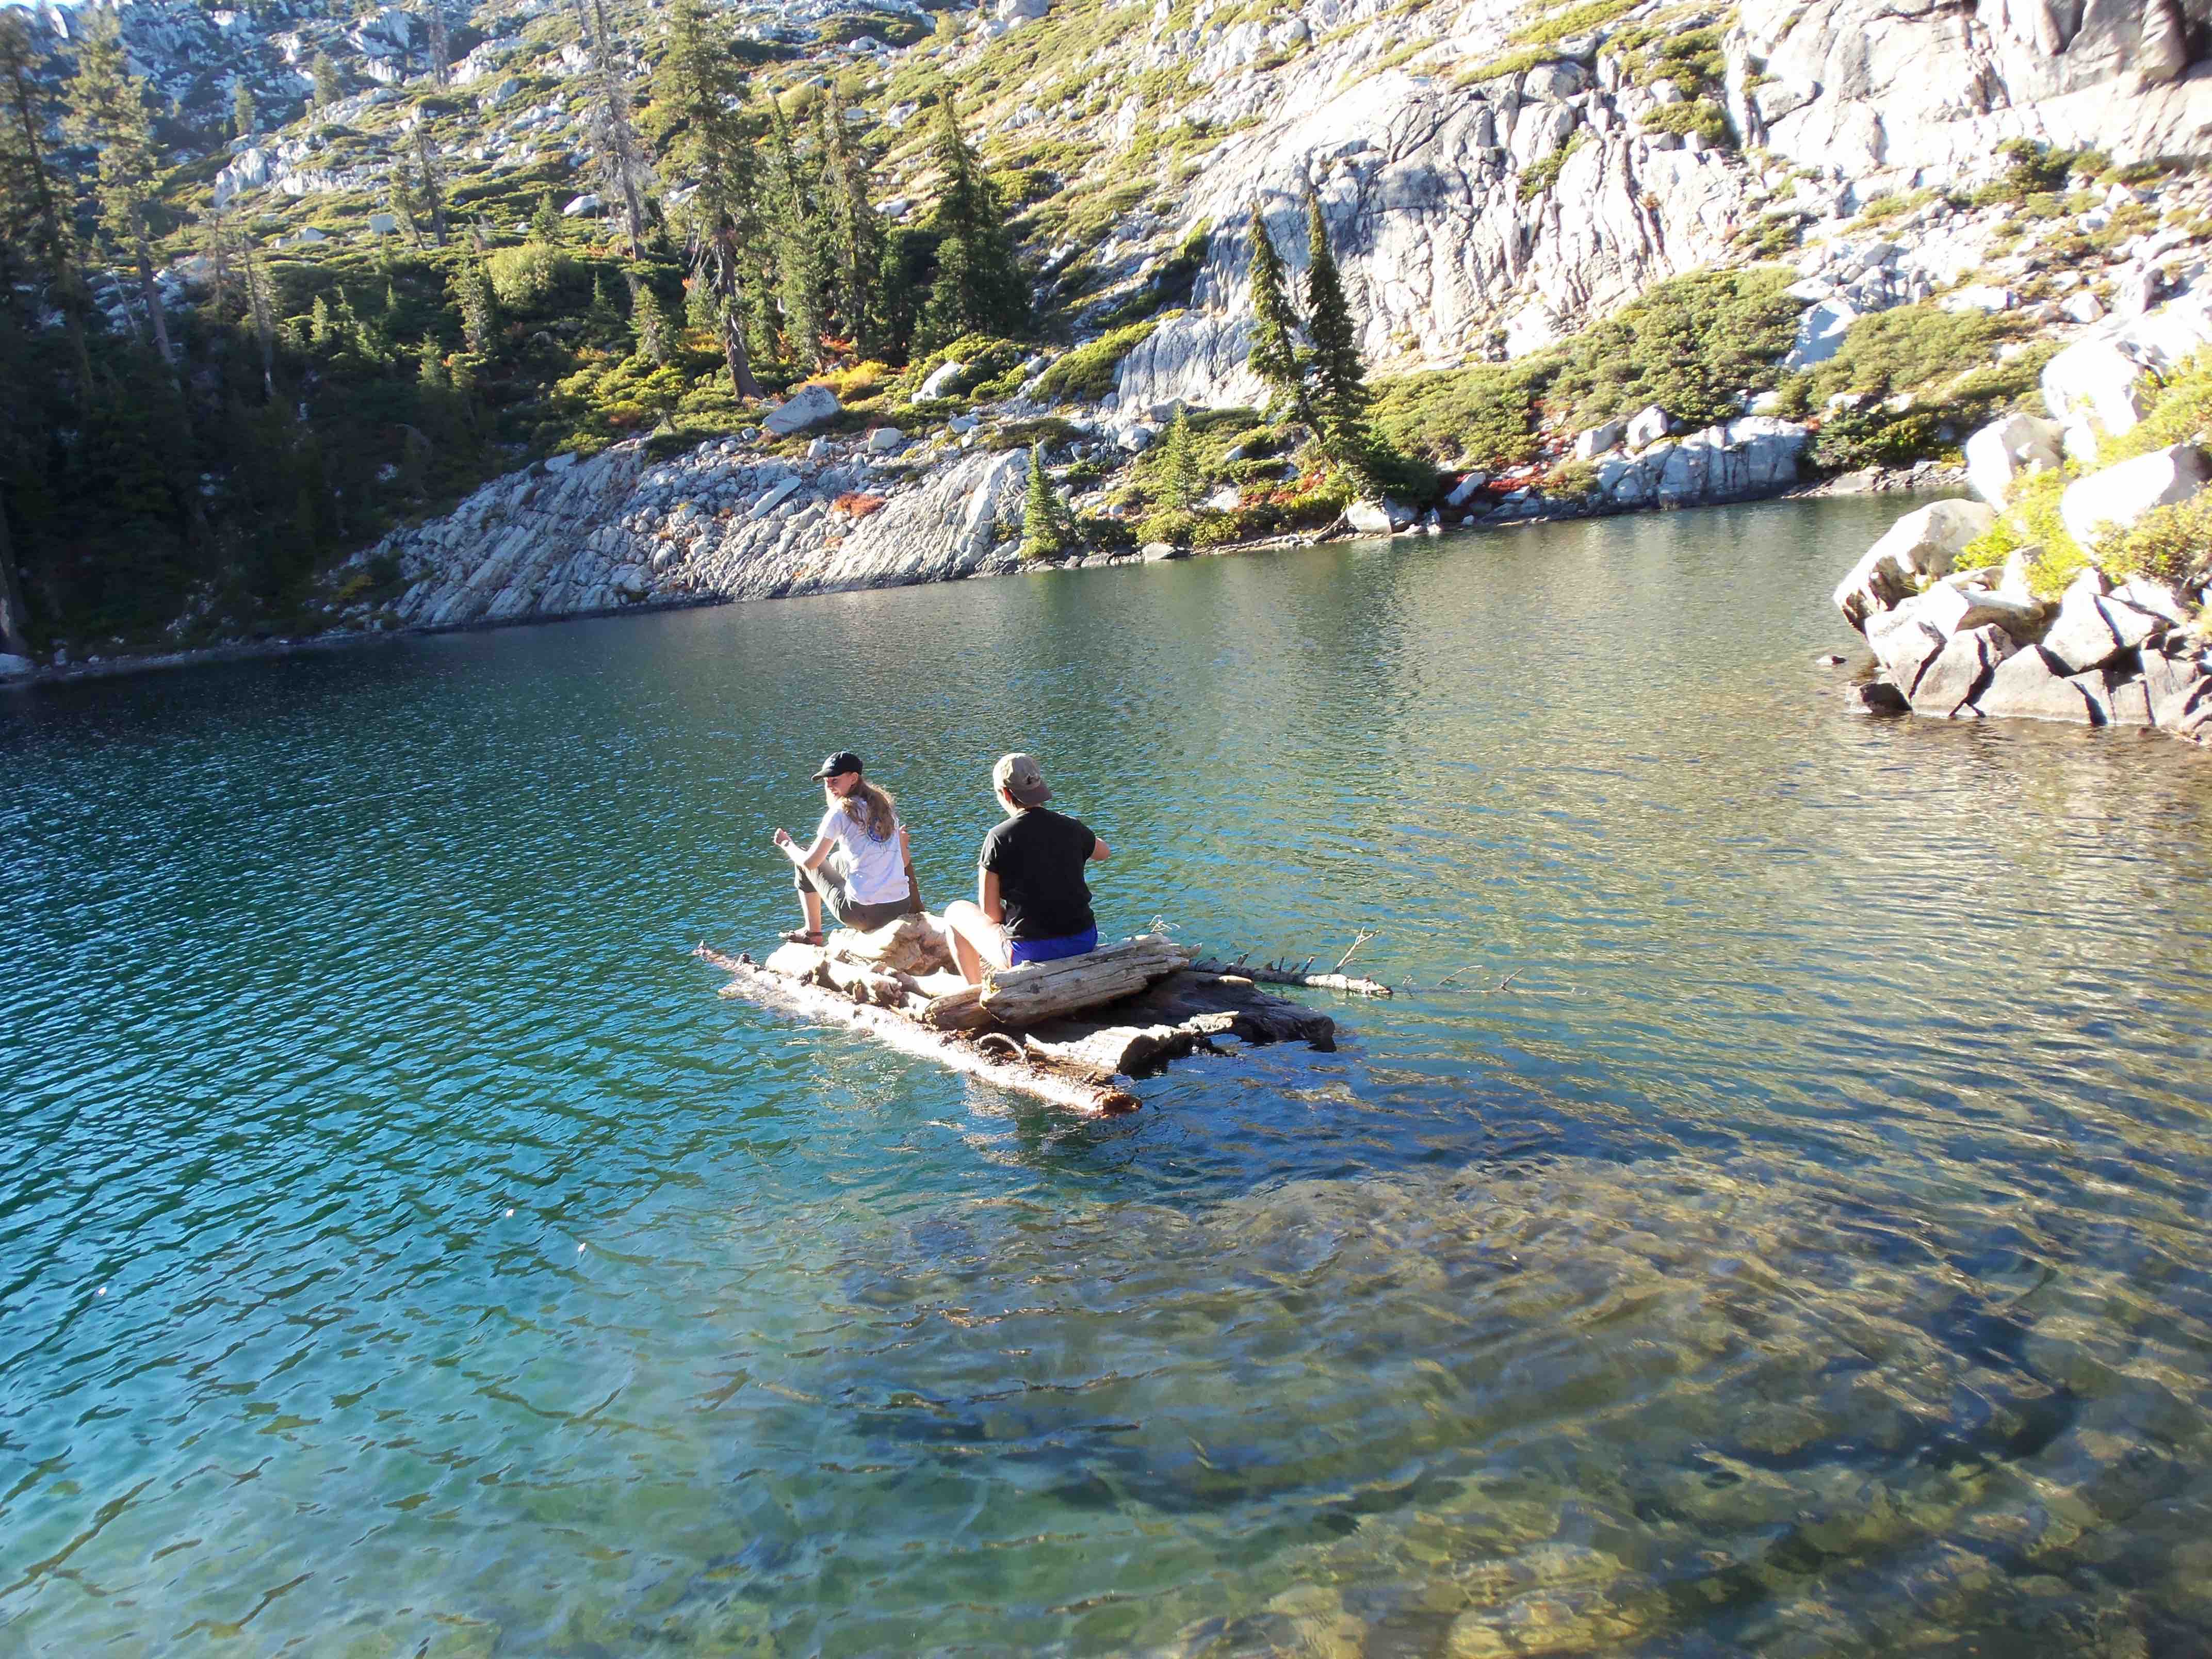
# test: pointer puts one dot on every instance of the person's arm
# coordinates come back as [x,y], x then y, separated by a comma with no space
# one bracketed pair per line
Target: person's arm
[811,858]
[986,897]
[1100,851]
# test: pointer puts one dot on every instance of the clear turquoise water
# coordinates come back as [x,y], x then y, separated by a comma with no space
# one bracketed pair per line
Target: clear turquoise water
[402,1249]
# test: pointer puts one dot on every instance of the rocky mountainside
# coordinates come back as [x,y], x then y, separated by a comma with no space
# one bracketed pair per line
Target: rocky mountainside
[1961,189]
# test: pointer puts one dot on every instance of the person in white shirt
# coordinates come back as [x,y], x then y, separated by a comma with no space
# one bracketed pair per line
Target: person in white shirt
[858,864]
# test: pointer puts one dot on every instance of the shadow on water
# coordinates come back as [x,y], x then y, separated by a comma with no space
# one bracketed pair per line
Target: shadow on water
[1799,1254]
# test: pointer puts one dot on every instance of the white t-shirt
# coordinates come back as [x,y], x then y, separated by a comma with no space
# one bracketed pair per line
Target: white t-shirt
[874,871]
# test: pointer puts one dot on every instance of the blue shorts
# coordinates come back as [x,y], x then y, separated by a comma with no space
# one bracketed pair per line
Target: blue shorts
[1019,950]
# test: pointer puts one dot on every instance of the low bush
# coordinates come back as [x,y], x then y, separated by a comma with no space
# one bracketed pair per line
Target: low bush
[1090,372]
[1541,174]
[1484,414]
[525,278]
[1105,535]
[2031,523]
[985,361]
[1702,116]
[1689,345]
[1570,480]
[1169,525]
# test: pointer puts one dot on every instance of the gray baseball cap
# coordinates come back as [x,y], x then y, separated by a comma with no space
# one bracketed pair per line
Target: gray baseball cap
[1018,774]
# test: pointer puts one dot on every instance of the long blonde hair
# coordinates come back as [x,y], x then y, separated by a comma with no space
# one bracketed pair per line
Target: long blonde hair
[874,809]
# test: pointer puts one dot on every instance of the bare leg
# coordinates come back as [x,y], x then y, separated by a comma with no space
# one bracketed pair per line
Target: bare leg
[811,902]
[978,943]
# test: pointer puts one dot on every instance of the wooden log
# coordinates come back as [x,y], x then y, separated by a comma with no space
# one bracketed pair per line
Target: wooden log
[1051,1085]
[864,984]
[1351,983]
[795,961]
[1039,990]
[1257,1017]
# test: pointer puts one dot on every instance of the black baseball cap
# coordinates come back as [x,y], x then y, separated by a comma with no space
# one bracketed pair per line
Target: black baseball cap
[843,761]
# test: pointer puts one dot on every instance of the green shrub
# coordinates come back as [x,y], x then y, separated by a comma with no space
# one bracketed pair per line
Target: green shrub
[1769,236]
[1702,116]
[1485,413]
[988,363]
[1171,524]
[1090,372]
[1574,20]
[1105,535]
[1218,529]
[1689,345]
[524,277]
[2173,541]
[1544,173]
[1570,480]
[2030,522]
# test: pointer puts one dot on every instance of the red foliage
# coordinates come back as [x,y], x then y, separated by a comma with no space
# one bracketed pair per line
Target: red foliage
[854,505]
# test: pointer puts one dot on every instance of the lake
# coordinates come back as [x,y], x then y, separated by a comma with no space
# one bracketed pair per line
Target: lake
[1772,1216]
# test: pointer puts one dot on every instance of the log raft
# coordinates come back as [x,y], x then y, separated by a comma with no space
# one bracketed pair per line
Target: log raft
[1066,1032]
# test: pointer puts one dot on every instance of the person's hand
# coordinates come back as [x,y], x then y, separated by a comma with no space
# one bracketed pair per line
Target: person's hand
[783,838]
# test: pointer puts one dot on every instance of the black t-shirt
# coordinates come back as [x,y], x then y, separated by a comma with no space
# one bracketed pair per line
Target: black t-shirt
[1039,855]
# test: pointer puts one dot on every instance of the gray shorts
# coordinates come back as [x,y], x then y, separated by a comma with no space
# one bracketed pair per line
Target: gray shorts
[838,901]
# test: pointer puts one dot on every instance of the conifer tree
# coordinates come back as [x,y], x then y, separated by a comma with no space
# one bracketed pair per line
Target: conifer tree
[856,232]
[440,43]
[546,225]
[471,293]
[622,159]
[696,118]
[648,324]
[1340,396]
[1180,479]
[1045,523]
[324,75]
[801,245]
[1274,356]
[243,114]
[400,196]
[979,288]
[109,109]
[432,196]
[35,215]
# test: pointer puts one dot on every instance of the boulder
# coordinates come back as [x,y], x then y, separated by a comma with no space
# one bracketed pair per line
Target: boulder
[1464,491]
[1155,552]
[2032,684]
[2082,307]
[809,405]
[886,440]
[582,206]
[1876,697]
[2082,637]
[1375,518]
[2114,499]
[1983,297]
[1820,333]
[2131,624]
[2008,448]
[2158,598]
[1948,685]
[1952,607]
[1903,647]
[2178,687]
[2127,702]
[939,380]
[1920,545]
[1589,445]
[2095,381]
[1134,439]
[13,667]
[1647,427]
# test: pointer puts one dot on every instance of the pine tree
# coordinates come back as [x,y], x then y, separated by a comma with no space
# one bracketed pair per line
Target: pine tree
[1274,356]
[109,108]
[1340,398]
[856,232]
[546,224]
[979,288]
[621,160]
[696,118]
[1178,475]
[441,52]
[800,243]
[400,194]
[325,74]
[320,326]
[471,295]
[1045,523]
[35,213]
[243,114]
[433,197]
[648,324]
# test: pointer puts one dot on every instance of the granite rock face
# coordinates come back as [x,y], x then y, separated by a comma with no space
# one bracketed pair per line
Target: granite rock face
[722,522]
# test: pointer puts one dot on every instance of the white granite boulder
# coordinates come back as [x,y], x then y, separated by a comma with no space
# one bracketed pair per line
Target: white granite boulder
[1589,445]
[2112,500]
[1961,670]
[1647,427]
[808,406]
[2032,684]
[1920,546]
[2008,448]
[939,380]
[2095,381]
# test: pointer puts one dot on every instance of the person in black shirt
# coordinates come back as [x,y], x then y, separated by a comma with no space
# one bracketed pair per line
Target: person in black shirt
[1032,904]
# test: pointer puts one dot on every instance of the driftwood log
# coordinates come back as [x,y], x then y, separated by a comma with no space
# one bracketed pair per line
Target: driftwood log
[1087,1090]
[1273,975]
[1071,1059]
